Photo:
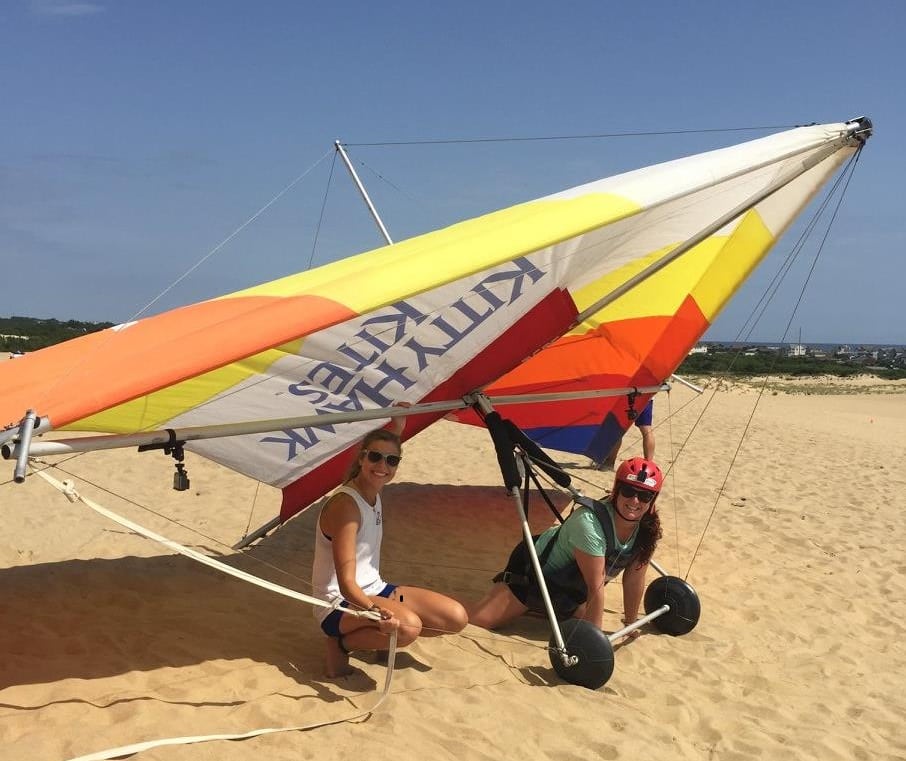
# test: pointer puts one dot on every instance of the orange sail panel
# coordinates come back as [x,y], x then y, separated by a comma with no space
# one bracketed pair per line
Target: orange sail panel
[71,381]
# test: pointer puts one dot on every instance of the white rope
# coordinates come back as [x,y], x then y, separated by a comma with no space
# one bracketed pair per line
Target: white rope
[128,750]
[67,487]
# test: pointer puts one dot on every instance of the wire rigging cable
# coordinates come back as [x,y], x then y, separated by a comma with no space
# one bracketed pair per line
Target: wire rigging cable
[843,182]
[590,136]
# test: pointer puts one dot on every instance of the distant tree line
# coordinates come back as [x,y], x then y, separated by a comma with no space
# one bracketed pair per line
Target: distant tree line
[24,334]
[30,333]
[735,363]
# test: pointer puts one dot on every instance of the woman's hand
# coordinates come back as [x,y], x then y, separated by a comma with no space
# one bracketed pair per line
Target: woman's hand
[398,423]
[634,634]
[388,623]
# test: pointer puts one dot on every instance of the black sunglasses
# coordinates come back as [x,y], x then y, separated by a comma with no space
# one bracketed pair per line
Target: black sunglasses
[392,459]
[629,492]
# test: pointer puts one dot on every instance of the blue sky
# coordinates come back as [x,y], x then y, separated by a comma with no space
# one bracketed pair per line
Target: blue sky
[139,135]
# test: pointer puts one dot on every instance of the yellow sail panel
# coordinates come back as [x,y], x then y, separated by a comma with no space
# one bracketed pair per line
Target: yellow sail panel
[731,264]
[711,272]
[454,252]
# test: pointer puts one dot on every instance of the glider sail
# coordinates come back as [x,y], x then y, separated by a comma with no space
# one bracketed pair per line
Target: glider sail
[639,339]
[443,314]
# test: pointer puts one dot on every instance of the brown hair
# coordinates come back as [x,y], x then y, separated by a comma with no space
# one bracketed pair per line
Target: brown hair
[646,540]
[379,434]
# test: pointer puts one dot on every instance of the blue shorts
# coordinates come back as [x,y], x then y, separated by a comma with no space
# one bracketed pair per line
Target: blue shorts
[331,623]
[646,415]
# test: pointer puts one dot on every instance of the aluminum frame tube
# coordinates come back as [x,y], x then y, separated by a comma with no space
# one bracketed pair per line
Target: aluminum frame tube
[638,623]
[198,433]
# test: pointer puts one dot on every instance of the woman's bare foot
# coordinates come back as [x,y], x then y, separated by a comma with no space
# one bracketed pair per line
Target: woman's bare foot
[337,659]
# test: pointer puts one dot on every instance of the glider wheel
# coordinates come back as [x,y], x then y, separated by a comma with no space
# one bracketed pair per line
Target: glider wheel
[685,607]
[591,647]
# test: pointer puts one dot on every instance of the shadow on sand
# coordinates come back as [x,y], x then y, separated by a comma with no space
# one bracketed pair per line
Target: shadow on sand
[168,611]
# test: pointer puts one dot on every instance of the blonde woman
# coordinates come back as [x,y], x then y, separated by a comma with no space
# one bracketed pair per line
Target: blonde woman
[347,565]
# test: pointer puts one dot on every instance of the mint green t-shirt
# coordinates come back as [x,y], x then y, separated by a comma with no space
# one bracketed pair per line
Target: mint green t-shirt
[580,531]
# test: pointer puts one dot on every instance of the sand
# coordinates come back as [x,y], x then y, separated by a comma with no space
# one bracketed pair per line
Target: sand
[796,552]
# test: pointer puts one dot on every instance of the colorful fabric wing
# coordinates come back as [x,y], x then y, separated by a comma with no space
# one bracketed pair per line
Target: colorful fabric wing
[641,338]
[637,341]
[439,316]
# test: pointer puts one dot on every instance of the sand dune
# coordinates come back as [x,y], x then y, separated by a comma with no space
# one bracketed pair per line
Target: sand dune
[797,556]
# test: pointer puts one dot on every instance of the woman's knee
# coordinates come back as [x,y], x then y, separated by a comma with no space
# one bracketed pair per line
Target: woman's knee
[487,614]
[457,617]
[483,618]
[498,607]
[410,627]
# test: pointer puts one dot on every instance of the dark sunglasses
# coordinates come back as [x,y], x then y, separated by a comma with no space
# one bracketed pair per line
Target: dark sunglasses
[629,492]
[392,459]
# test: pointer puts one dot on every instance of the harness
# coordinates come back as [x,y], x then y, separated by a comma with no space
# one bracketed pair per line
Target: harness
[566,586]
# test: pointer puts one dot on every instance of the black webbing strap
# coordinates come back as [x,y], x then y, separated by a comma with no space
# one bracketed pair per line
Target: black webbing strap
[503,445]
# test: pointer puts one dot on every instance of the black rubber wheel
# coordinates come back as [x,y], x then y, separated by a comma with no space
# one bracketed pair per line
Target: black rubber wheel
[592,649]
[685,607]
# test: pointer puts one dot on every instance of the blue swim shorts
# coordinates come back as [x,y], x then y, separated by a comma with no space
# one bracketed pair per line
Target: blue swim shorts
[646,415]
[331,623]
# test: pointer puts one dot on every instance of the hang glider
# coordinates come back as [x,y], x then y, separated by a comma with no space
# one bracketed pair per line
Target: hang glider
[616,278]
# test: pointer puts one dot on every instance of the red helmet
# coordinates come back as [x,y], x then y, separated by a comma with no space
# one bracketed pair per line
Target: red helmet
[641,473]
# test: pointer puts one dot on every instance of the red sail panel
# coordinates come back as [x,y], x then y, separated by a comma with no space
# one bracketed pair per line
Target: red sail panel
[547,320]
[635,352]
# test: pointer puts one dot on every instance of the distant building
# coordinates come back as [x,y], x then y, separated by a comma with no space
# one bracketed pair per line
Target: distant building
[698,349]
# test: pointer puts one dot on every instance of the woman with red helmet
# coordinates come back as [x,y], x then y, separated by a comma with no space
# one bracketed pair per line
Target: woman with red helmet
[598,541]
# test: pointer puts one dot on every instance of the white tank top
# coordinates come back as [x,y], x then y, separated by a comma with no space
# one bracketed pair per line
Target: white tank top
[367,554]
